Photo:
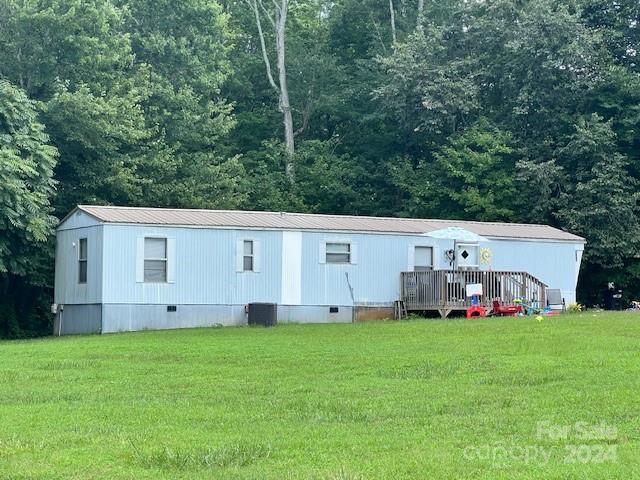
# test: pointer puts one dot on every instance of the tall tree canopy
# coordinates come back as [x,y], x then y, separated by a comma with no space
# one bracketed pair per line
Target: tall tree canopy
[499,110]
[27,160]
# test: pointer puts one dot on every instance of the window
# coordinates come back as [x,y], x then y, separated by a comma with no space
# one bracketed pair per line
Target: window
[155,260]
[338,253]
[247,256]
[423,259]
[82,261]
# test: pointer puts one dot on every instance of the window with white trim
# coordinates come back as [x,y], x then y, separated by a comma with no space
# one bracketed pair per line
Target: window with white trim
[248,256]
[155,260]
[423,259]
[338,252]
[82,260]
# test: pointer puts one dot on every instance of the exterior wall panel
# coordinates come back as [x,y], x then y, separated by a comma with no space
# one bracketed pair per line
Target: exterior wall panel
[291,268]
[67,289]
[556,264]
[375,278]
[205,269]
[78,219]
[78,320]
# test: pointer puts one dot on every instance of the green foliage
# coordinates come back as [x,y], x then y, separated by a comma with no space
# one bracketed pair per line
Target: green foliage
[133,101]
[470,177]
[575,308]
[604,205]
[27,160]
[323,179]
[604,208]
[336,401]
[540,188]
[501,110]
[429,85]
[475,173]
[26,169]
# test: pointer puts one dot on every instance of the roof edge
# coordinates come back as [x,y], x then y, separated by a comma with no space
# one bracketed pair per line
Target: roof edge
[84,208]
[79,208]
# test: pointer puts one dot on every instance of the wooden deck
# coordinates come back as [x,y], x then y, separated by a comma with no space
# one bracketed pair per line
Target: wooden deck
[445,290]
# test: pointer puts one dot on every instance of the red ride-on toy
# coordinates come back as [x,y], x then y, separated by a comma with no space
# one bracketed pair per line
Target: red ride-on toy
[476,309]
[500,309]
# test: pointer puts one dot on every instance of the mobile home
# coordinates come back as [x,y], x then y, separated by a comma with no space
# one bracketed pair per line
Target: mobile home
[124,269]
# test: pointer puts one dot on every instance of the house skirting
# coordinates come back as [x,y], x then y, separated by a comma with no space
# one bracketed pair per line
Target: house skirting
[112,318]
[78,319]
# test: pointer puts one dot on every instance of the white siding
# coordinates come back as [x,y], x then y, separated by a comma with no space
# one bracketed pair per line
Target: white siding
[78,219]
[204,267]
[67,288]
[291,268]
[552,262]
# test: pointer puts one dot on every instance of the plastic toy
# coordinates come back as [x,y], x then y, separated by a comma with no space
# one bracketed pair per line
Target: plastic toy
[499,309]
[476,309]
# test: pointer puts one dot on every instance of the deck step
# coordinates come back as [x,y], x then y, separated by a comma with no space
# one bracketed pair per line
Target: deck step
[399,310]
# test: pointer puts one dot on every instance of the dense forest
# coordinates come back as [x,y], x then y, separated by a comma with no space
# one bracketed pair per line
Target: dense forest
[516,110]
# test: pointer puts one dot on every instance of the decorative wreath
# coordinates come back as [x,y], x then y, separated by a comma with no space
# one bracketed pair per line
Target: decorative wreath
[485,255]
[450,255]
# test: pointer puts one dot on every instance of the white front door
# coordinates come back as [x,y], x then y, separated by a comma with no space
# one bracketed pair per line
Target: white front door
[467,255]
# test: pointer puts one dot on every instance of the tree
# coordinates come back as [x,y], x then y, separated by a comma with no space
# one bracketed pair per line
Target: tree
[541,190]
[184,48]
[430,87]
[604,207]
[27,160]
[392,17]
[470,177]
[90,93]
[133,101]
[278,20]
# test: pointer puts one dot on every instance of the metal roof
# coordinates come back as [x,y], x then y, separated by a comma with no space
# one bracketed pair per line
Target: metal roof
[319,222]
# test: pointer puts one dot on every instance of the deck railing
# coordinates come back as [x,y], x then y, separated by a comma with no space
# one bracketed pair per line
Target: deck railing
[445,290]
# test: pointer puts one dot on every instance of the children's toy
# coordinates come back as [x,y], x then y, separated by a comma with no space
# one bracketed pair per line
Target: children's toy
[500,309]
[474,290]
[529,308]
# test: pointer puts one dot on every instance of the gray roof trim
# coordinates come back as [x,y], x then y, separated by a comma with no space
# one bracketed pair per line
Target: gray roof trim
[190,218]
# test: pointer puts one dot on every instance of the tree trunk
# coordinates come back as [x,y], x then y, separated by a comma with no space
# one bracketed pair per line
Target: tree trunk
[420,14]
[285,106]
[279,25]
[393,22]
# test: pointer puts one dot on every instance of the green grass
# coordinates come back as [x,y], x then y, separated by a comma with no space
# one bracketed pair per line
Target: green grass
[416,399]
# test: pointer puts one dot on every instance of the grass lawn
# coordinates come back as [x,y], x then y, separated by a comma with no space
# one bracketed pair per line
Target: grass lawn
[491,398]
